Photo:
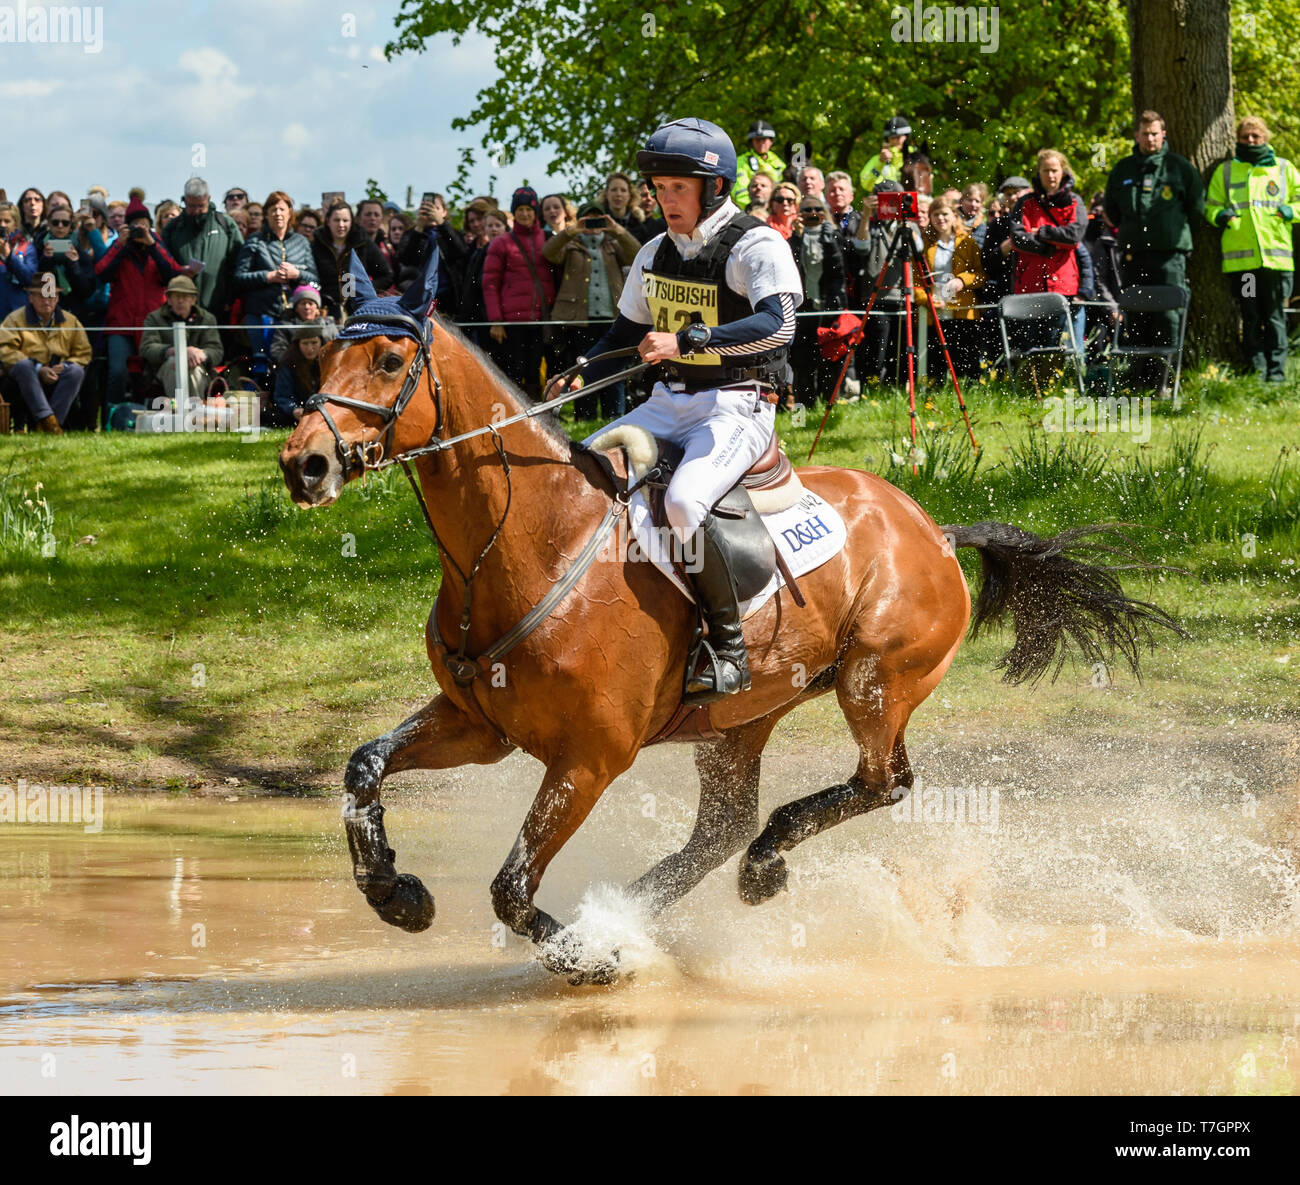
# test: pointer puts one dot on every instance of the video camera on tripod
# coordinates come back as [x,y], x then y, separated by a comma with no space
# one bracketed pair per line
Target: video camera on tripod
[898,205]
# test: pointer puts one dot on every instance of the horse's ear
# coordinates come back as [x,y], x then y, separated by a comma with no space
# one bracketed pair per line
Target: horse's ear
[421,292]
[361,288]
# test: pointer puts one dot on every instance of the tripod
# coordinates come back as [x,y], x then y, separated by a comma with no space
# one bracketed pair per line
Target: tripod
[903,249]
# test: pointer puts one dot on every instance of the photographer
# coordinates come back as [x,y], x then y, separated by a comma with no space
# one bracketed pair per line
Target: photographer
[883,329]
[433,228]
[137,268]
[817,254]
[591,256]
[57,253]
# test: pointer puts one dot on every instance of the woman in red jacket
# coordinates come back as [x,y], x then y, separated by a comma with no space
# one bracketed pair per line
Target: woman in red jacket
[137,268]
[1046,227]
[518,285]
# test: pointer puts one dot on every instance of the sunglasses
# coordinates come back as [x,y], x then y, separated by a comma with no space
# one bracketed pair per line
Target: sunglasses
[60,221]
[784,201]
[235,193]
[811,212]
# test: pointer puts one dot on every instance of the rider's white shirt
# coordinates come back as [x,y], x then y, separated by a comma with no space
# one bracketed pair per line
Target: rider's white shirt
[760,264]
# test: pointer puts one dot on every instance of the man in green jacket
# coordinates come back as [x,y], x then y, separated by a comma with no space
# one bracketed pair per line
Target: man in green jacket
[202,235]
[1154,197]
[1253,199]
[202,345]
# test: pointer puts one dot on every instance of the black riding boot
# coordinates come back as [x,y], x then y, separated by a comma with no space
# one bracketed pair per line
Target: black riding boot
[725,669]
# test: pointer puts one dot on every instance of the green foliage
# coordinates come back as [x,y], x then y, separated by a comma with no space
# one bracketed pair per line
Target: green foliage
[373,192]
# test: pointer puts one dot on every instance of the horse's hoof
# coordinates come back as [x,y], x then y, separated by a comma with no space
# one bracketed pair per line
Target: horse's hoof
[762,877]
[563,955]
[410,907]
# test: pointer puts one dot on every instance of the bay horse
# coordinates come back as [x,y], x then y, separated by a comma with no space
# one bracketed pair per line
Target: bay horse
[600,677]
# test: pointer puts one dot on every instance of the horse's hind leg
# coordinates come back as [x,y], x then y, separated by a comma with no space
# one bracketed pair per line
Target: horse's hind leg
[727,817]
[877,708]
[438,736]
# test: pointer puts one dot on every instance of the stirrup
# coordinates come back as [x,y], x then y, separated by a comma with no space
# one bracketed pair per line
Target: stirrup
[713,678]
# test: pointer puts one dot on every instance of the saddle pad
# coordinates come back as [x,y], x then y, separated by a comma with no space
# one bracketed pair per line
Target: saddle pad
[808,533]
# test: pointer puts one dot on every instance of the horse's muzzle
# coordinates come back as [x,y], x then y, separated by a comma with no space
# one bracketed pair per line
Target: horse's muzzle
[313,474]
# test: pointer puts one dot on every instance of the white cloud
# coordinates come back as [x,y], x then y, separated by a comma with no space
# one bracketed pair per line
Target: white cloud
[29,88]
[295,137]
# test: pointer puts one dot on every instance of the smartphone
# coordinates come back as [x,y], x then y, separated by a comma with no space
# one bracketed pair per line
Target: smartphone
[328,196]
[428,197]
[61,246]
[594,223]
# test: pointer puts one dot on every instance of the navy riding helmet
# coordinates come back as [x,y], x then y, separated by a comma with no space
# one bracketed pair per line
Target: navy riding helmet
[691,148]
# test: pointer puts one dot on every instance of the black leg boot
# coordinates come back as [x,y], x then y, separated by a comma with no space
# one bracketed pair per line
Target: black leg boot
[725,667]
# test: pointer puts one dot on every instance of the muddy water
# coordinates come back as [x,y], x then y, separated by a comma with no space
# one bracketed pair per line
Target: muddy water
[1140,938]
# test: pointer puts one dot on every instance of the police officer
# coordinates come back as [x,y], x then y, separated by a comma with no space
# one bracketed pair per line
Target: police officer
[888,164]
[759,159]
[1253,198]
[713,298]
[1153,198]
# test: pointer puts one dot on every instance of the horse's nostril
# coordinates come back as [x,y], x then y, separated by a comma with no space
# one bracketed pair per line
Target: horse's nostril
[315,468]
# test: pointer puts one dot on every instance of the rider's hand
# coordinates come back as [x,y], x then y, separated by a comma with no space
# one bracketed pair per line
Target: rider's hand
[560,386]
[498,333]
[655,347]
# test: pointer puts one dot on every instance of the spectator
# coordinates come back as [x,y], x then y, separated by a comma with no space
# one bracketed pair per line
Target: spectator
[272,263]
[970,210]
[953,197]
[845,219]
[307,223]
[783,208]
[235,199]
[332,249]
[923,201]
[590,256]
[137,268]
[306,311]
[760,189]
[554,216]
[999,253]
[887,164]
[1102,241]
[758,158]
[812,182]
[839,202]
[518,286]
[433,228]
[760,211]
[882,338]
[953,258]
[48,368]
[17,261]
[56,253]
[815,243]
[1154,197]
[398,225]
[1047,225]
[297,378]
[473,308]
[370,215]
[165,213]
[31,207]
[617,203]
[649,204]
[207,242]
[116,218]
[256,217]
[474,232]
[203,352]
[94,238]
[239,217]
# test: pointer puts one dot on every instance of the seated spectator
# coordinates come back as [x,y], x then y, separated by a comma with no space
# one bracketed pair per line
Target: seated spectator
[272,263]
[815,243]
[953,258]
[433,228]
[473,308]
[370,216]
[617,203]
[207,242]
[970,209]
[165,213]
[203,352]
[812,182]
[518,286]
[137,269]
[256,217]
[306,311]
[17,261]
[783,208]
[332,248]
[56,252]
[554,215]
[31,209]
[759,190]
[297,378]
[48,368]
[590,257]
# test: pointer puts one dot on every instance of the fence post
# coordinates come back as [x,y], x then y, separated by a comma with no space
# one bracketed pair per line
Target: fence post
[182,394]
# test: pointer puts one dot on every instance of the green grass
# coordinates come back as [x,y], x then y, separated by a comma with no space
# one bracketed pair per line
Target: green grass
[191,624]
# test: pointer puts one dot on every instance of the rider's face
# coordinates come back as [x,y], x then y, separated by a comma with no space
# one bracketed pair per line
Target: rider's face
[679,199]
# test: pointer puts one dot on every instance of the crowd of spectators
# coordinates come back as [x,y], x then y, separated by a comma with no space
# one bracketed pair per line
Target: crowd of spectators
[534,281]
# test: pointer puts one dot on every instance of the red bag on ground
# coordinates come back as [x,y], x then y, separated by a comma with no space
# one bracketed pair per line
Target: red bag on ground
[833,340]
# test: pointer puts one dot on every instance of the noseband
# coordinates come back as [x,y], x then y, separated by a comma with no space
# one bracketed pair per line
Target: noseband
[368,454]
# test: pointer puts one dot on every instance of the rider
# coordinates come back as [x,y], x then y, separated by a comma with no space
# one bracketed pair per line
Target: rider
[729,286]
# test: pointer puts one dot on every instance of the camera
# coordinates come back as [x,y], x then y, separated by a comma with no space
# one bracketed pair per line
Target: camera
[594,223]
[139,232]
[904,204]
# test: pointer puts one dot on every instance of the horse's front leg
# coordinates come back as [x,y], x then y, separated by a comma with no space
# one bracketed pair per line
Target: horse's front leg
[565,799]
[438,736]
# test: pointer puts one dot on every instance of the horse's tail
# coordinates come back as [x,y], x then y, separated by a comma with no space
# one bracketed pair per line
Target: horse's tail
[1055,596]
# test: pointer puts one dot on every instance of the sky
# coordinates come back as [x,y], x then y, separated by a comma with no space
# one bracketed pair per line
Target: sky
[262,94]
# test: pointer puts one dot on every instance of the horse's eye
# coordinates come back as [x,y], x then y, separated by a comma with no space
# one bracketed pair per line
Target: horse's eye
[392,363]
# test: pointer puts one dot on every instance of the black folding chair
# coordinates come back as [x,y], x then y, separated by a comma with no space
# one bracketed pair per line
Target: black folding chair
[1049,308]
[1150,298]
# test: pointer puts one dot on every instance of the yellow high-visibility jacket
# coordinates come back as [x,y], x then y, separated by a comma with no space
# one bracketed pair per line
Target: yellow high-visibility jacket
[1257,236]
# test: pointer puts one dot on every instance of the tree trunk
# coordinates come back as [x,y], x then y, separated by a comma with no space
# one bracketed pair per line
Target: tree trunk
[1182,67]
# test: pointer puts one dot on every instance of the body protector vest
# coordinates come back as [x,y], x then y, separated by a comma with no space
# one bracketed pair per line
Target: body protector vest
[682,291]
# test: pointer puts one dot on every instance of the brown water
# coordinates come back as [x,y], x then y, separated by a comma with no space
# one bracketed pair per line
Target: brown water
[1143,939]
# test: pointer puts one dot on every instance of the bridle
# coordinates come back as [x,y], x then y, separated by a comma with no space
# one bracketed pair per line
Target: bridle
[372,454]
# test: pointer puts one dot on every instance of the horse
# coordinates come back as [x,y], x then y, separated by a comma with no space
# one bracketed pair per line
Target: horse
[511,500]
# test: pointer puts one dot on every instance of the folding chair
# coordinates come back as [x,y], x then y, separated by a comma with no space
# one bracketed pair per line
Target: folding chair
[1150,298]
[1050,307]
